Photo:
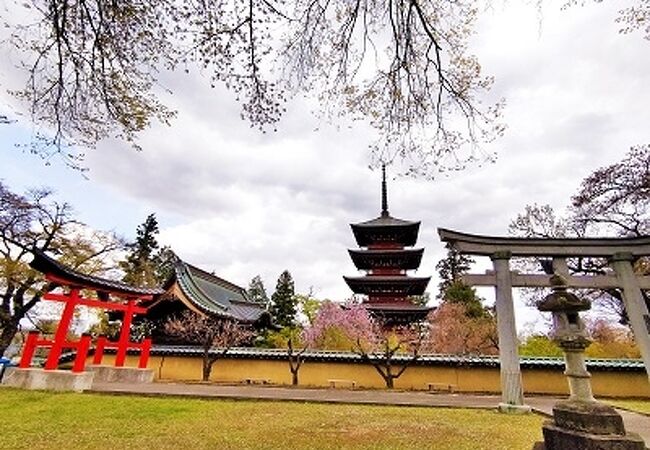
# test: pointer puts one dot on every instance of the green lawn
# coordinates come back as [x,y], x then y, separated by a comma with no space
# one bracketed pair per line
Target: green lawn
[642,406]
[40,420]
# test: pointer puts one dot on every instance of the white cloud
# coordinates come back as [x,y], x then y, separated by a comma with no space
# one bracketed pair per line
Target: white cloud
[243,203]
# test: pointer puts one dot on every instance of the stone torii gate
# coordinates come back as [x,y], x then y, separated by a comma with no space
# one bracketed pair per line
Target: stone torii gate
[620,252]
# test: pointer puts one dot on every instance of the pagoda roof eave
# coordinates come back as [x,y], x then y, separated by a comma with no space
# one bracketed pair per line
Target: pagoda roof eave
[405,233]
[385,221]
[403,314]
[382,284]
[389,251]
[388,279]
[407,259]
[393,307]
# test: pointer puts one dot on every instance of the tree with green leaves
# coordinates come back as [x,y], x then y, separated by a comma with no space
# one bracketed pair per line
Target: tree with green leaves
[452,289]
[289,339]
[36,221]
[308,305]
[138,266]
[257,292]
[420,300]
[147,265]
[296,358]
[451,267]
[163,262]
[460,293]
[283,301]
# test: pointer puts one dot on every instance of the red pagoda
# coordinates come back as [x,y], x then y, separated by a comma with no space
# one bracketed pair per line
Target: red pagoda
[386,260]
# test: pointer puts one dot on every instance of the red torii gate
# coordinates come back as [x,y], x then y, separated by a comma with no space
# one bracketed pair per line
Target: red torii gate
[111,296]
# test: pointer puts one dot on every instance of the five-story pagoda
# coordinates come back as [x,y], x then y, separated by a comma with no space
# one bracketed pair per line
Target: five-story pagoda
[388,287]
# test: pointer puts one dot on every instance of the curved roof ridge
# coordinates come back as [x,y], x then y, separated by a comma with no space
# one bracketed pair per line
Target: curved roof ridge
[376,251]
[212,277]
[386,220]
[207,301]
[451,235]
[522,246]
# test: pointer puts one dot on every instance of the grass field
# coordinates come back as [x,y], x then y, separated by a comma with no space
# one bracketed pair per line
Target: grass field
[40,420]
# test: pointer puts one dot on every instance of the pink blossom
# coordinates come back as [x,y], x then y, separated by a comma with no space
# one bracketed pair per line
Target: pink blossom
[340,327]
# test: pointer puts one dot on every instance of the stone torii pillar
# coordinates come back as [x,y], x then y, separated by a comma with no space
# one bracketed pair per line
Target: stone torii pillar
[635,306]
[512,393]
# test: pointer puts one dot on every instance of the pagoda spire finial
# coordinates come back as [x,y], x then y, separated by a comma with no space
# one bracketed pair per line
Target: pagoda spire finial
[384,192]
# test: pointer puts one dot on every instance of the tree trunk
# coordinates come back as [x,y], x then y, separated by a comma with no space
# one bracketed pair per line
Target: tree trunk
[294,376]
[207,365]
[386,374]
[8,332]
[207,368]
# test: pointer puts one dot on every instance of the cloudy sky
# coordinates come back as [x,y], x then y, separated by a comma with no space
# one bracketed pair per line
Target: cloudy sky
[241,203]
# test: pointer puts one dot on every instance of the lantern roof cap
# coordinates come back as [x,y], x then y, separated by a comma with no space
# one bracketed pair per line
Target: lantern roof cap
[561,300]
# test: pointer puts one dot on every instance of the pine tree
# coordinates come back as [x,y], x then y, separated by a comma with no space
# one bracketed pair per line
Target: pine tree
[451,268]
[460,293]
[256,291]
[451,287]
[146,264]
[283,301]
[164,264]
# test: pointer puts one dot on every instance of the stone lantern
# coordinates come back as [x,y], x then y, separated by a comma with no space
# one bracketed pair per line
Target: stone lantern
[579,422]
[570,334]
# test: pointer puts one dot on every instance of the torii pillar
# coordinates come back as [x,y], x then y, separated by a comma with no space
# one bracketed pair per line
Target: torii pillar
[512,392]
[635,306]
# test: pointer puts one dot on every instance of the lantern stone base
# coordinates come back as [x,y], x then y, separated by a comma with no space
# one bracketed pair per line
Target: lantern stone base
[110,374]
[508,408]
[587,426]
[51,380]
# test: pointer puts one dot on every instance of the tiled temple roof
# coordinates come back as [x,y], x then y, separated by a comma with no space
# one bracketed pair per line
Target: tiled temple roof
[214,295]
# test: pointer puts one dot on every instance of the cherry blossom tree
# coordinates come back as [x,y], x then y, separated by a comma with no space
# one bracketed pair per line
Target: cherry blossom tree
[390,350]
[296,358]
[454,331]
[338,327]
[216,336]
[92,68]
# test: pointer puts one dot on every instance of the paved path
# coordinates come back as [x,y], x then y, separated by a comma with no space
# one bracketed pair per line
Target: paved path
[637,423]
